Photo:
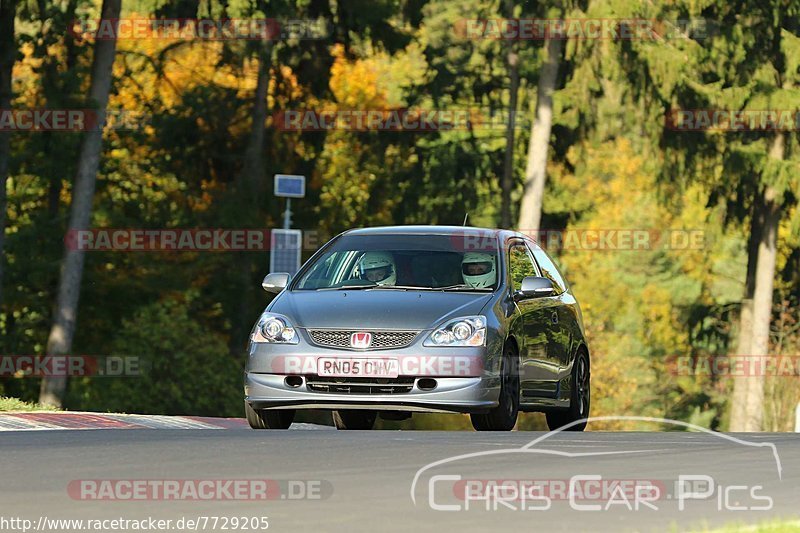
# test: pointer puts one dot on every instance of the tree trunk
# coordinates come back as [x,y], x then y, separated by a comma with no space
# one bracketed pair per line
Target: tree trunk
[63,330]
[8,52]
[253,175]
[762,297]
[507,183]
[744,345]
[252,182]
[530,213]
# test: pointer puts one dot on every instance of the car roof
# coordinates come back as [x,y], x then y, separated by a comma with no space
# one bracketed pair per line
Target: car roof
[427,230]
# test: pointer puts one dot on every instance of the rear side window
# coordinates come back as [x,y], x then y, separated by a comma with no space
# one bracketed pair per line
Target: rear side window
[548,268]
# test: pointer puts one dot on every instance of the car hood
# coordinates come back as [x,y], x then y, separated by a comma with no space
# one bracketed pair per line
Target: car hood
[413,310]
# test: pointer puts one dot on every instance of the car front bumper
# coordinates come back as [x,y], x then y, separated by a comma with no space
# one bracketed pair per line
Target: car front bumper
[452,394]
[468,386]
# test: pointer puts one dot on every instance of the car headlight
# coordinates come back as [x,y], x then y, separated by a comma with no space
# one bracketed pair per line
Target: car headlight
[464,331]
[274,328]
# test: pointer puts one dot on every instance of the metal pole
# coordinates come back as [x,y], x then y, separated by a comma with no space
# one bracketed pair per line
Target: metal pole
[287,215]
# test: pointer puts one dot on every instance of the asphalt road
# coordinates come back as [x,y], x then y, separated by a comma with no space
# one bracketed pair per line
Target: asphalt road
[362,481]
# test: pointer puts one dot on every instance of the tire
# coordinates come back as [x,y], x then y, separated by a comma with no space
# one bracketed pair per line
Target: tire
[504,416]
[356,419]
[580,398]
[268,419]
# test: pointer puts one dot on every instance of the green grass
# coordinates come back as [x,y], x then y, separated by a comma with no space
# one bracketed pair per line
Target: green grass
[15,404]
[774,526]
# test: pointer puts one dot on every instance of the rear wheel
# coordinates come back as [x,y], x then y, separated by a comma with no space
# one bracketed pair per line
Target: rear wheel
[580,398]
[355,419]
[267,419]
[504,416]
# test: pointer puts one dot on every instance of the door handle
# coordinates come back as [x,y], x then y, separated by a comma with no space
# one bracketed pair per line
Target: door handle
[554,317]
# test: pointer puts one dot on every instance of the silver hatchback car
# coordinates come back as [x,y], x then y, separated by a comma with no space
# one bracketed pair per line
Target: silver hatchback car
[394,320]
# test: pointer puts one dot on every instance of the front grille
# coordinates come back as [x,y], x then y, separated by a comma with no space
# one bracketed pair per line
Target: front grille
[381,340]
[352,385]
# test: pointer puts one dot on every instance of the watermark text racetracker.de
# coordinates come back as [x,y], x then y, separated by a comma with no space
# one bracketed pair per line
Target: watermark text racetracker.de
[210,489]
[69,120]
[409,120]
[732,120]
[180,240]
[736,366]
[38,366]
[207,29]
[586,28]
[592,239]
[379,366]
[605,479]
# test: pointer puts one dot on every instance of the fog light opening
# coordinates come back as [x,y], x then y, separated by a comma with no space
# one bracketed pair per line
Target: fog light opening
[293,381]
[426,384]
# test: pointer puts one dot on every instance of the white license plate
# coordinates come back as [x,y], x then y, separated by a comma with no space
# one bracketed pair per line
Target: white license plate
[357,367]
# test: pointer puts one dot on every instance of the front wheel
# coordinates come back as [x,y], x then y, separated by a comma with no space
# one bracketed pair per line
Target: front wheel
[266,419]
[580,398]
[504,416]
[355,419]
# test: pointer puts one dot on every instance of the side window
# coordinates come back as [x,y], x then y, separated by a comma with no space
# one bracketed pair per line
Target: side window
[549,268]
[338,266]
[318,275]
[519,265]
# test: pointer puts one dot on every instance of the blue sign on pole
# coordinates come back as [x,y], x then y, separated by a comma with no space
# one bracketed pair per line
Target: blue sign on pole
[286,245]
[290,186]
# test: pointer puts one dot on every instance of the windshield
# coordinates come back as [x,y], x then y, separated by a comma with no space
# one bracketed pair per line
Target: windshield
[411,262]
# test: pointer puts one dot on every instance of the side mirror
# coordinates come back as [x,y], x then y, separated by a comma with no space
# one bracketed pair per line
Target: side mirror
[275,282]
[533,287]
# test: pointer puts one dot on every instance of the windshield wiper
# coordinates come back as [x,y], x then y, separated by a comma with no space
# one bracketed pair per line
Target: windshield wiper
[348,288]
[463,287]
[401,288]
[460,287]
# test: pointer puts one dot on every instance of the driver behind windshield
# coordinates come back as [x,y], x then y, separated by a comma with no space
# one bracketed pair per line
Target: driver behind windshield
[378,267]
[478,269]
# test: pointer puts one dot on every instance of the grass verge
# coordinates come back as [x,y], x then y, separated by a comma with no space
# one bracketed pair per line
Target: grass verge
[15,404]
